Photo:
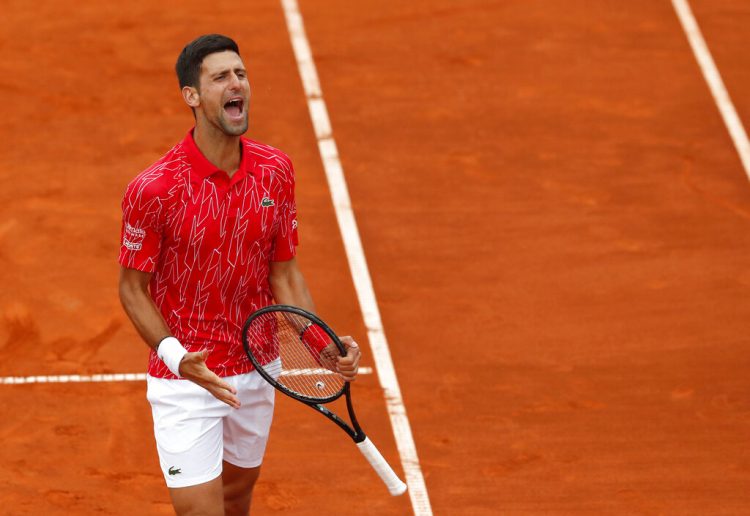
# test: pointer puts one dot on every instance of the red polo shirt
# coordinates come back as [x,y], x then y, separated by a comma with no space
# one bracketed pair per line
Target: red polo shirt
[209,241]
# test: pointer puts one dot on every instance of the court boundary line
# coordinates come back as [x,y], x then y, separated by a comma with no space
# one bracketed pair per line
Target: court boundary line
[715,83]
[74,378]
[103,377]
[356,259]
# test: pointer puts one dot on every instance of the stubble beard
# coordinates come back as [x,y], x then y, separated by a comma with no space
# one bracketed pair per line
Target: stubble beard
[233,130]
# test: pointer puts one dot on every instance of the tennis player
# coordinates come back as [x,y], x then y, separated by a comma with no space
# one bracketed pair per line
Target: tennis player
[209,235]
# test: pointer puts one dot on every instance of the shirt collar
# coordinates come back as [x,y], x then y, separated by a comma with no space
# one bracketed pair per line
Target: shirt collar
[201,168]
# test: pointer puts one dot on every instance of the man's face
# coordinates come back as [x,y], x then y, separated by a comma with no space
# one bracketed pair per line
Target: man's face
[224,92]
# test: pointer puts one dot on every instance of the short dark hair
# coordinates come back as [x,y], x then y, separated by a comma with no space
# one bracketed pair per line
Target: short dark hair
[188,65]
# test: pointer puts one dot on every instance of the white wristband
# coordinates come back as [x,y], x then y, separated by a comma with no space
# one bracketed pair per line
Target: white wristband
[171,352]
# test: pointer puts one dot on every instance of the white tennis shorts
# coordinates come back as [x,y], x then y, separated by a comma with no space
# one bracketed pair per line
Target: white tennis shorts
[194,431]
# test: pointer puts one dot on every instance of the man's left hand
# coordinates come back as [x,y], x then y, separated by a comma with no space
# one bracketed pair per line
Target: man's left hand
[348,366]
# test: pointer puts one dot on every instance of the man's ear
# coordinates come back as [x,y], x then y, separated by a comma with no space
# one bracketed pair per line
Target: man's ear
[191,96]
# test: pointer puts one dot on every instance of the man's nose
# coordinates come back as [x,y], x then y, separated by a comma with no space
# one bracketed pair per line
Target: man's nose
[234,82]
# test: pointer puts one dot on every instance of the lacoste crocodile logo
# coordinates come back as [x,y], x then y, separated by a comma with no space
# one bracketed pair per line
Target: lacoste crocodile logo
[174,471]
[266,202]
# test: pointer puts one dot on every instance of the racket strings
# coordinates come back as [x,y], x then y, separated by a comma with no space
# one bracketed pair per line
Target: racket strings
[298,354]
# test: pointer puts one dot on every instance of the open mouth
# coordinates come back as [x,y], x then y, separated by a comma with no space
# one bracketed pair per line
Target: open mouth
[234,107]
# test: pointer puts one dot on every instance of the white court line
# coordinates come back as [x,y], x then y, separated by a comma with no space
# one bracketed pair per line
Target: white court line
[715,84]
[357,264]
[74,378]
[131,377]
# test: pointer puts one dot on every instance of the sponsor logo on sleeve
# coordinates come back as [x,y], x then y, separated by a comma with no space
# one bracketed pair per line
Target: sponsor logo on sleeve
[133,238]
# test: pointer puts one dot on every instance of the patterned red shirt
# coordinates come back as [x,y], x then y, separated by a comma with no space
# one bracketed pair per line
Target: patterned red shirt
[209,241]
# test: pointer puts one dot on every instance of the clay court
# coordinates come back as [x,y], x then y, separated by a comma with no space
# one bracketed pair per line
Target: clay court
[555,218]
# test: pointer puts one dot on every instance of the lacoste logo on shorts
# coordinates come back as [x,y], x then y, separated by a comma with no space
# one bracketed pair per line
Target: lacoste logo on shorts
[266,202]
[174,471]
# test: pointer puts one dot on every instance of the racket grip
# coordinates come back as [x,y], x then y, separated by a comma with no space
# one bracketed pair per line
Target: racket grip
[381,467]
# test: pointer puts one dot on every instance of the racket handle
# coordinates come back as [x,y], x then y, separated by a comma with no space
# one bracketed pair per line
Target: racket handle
[381,467]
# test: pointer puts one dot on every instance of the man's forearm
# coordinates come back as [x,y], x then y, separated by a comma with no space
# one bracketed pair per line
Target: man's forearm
[289,287]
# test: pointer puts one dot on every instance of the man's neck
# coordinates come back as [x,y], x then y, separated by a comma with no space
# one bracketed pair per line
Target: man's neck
[219,148]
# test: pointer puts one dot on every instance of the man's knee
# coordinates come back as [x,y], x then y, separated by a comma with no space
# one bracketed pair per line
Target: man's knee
[199,500]
[238,488]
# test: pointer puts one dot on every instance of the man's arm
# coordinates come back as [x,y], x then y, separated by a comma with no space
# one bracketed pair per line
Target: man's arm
[289,288]
[150,325]
[288,285]
[139,306]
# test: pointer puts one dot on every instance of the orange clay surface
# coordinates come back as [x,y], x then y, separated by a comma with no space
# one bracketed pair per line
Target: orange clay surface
[555,219]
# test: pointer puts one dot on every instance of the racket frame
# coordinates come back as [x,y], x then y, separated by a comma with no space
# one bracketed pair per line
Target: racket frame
[354,431]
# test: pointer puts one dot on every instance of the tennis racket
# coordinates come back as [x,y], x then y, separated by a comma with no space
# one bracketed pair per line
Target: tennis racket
[296,352]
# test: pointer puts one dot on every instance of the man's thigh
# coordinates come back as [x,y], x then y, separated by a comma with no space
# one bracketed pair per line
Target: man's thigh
[246,429]
[205,499]
[188,427]
[194,432]
[227,495]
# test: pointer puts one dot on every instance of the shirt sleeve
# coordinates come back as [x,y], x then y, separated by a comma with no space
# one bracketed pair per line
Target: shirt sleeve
[286,239]
[143,214]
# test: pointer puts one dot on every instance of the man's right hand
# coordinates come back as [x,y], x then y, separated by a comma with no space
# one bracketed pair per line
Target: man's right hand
[193,367]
